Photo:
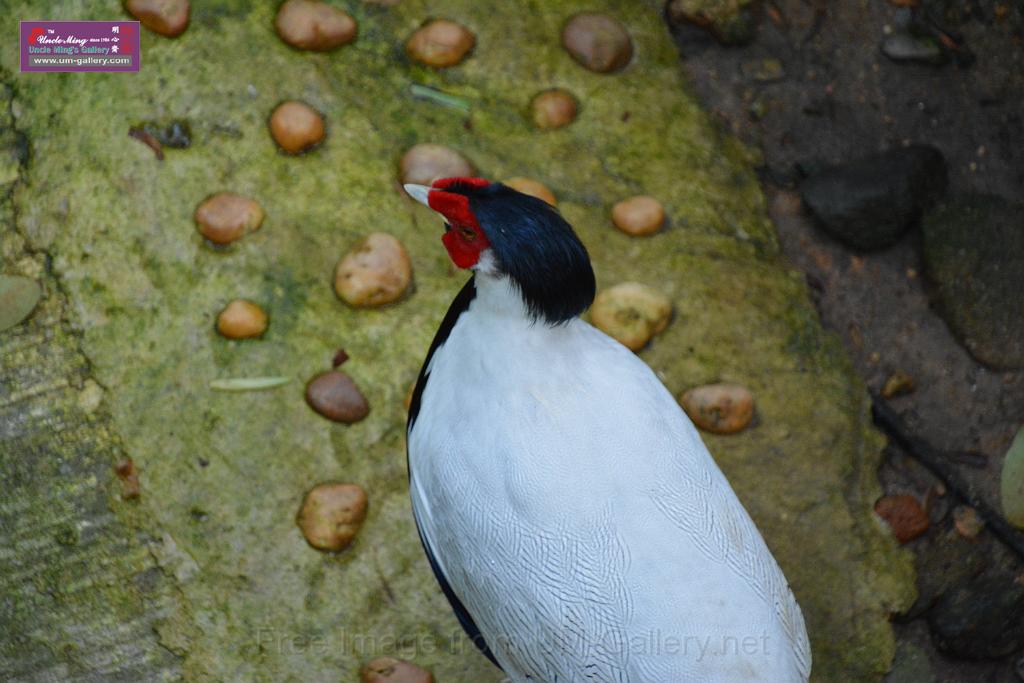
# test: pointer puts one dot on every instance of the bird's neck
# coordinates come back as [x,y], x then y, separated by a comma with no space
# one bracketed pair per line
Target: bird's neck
[497,295]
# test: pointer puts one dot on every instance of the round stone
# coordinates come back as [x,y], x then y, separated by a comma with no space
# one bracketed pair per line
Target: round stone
[597,42]
[631,313]
[296,127]
[331,515]
[533,188]
[638,216]
[226,216]
[440,43]
[552,109]
[424,163]
[241,319]
[719,408]
[310,25]
[334,395]
[376,272]
[166,17]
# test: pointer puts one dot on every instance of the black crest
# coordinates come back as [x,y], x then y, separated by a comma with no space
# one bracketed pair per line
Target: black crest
[537,249]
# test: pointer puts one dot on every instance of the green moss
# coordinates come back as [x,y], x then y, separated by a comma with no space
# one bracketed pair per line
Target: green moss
[144,290]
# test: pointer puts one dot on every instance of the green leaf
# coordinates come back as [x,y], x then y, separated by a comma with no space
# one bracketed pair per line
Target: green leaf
[18,298]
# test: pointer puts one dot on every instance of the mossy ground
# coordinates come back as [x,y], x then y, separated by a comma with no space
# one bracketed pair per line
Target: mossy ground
[256,602]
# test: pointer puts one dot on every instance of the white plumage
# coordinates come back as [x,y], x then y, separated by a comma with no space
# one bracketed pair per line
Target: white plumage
[577,516]
[576,513]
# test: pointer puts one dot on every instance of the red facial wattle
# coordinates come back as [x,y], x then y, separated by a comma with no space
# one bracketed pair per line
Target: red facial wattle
[465,240]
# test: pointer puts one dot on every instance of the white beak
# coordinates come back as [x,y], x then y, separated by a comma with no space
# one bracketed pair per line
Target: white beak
[418,192]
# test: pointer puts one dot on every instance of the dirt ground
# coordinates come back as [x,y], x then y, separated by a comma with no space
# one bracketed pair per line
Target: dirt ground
[837,98]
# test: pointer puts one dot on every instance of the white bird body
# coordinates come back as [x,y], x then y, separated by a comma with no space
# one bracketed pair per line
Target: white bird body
[576,514]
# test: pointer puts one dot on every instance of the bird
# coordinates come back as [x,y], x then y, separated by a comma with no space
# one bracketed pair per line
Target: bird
[571,513]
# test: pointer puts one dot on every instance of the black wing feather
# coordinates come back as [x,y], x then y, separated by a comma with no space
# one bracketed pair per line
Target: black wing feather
[458,307]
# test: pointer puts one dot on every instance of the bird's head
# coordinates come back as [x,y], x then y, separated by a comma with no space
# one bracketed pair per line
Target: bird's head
[501,233]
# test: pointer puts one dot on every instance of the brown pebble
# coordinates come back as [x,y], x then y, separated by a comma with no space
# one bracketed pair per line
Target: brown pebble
[241,319]
[166,17]
[897,384]
[311,25]
[226,216]
[552,109]
[597,42]
[331,515]
[129,476]
[340,356]
[296,126]
[719,408]
[391,670]
[638,216]
[440,43]
[533,188]
[967,521]
[334,395]
[631,313]
[904,515]
[424,163]
[375,272]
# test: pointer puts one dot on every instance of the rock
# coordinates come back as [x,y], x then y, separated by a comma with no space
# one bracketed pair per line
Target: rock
[904,515]
[334,395]
[166,17]
[375,272]
[331,515]
[768,70]
[980,619]
[904,47]
[552,109]
[638,216]
[296,127]
[911,665]
[945,560]
[974,262]
[18,298]
[719,408]
[597,42]
[1011,482]
[424,163]
[310,25]
[533,188]
[631,313]
[241,319]
[391,670]
[225,217]
[440,43]
[898,384]
[728,21]
[871,202]
[967,521]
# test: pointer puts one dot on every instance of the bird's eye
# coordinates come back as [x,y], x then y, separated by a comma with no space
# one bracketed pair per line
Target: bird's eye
[468,234]
[447,226]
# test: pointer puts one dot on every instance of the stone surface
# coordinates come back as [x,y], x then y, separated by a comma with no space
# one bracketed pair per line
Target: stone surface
[236,582]
[869,203]
[226,216]
[727,20]
[1011,482]
[981,618]
[552,109]
[166,17]
[424,163]
[974,262]
[241,319]
[638,216]
[532,187]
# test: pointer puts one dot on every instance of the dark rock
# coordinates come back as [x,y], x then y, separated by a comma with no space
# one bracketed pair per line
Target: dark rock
[974,262]
[944,562]
[982,619]
[871,202]
[903,47]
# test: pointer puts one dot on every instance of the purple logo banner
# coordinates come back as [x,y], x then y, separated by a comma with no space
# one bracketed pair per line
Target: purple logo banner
[80,46]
